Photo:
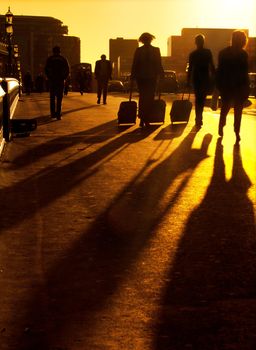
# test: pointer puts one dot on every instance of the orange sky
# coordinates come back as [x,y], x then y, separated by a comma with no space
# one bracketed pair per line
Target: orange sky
[96,21]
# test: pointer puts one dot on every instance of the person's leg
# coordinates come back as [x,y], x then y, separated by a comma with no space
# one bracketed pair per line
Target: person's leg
[105,91]
[199,107]
[238,109]
[225,107]
[141,101]
[59,94]
[99,90]
[147,93]
[52,101]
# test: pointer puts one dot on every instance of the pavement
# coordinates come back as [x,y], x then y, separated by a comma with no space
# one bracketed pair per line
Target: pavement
[127,238]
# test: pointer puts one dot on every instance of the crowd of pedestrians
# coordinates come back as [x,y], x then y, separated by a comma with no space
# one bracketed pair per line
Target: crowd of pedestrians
[230,79]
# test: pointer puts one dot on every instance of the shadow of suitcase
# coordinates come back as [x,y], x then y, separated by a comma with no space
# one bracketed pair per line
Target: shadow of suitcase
[180,110]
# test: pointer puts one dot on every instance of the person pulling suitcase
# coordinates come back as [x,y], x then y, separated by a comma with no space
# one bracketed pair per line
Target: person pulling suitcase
[146,69]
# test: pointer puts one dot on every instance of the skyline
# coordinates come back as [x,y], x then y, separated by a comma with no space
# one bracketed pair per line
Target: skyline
[109,19]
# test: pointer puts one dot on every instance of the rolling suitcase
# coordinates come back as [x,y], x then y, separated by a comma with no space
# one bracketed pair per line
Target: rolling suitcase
[127,112]
[157,113]
[181,109]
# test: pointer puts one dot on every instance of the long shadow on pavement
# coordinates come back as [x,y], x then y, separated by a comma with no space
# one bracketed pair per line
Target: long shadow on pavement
[82,283]
[98,134]
[18,200]
[209,303]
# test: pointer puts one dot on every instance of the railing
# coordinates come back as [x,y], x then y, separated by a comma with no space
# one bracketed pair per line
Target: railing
[9,96]
[2,94]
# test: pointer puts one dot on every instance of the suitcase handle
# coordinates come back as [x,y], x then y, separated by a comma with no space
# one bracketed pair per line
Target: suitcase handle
[131,88]
[182,98]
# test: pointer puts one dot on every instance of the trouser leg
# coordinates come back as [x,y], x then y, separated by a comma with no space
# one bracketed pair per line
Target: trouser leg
[223,115]
[99,90]
[199,107]
[146,98]
[59,102]
[105,91]
[238,109]
[52,102]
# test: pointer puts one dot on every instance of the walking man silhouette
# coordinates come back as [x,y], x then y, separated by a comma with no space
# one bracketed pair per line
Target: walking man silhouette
[201,71]
[103,72]
[56,70]
[233,80]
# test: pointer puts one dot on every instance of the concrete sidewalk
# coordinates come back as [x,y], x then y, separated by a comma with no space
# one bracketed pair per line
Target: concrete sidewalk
[122,238]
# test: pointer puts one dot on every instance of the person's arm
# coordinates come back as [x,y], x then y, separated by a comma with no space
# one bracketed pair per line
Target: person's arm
[110,70]
[66,69]
[211,66]
[189,73]
[96,70]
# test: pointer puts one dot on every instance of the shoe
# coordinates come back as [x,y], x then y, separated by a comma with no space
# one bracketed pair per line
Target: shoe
[104,102]
[98,101]
[53,115]
[58,116]
[220,130]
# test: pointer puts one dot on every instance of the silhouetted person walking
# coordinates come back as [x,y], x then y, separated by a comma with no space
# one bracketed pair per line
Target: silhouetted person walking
[233,80]
[39,83]
[27,79]
[102,72]
[201,71]
[56,70]
[146,70]
[81,79]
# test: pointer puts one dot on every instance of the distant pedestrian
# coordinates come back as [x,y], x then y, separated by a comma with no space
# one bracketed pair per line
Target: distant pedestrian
[102,72]
[56,70]
[146,70]
[27,81]
[39,82]
[233,80]
[67,85]
[81,79]
[201,72]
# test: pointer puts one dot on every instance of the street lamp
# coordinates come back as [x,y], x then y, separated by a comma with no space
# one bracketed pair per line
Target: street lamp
[9,33]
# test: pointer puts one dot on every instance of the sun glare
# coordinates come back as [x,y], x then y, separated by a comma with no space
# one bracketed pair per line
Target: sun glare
[229,14]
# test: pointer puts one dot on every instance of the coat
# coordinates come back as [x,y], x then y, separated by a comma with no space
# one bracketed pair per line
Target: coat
[56,68]
[232,74]
[103,74]
[147,63]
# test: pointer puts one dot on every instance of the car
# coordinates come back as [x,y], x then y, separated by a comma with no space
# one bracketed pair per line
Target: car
[252,77]
[169,83]
[115,86]
[128,84]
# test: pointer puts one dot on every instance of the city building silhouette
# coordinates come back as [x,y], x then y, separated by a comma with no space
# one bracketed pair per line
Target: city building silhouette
[36,36]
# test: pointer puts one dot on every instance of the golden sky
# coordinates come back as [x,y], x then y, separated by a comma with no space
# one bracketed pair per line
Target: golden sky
[97,21]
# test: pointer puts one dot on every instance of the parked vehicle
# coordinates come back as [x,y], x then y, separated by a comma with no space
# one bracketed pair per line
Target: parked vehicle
[115,86]
[169,83]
